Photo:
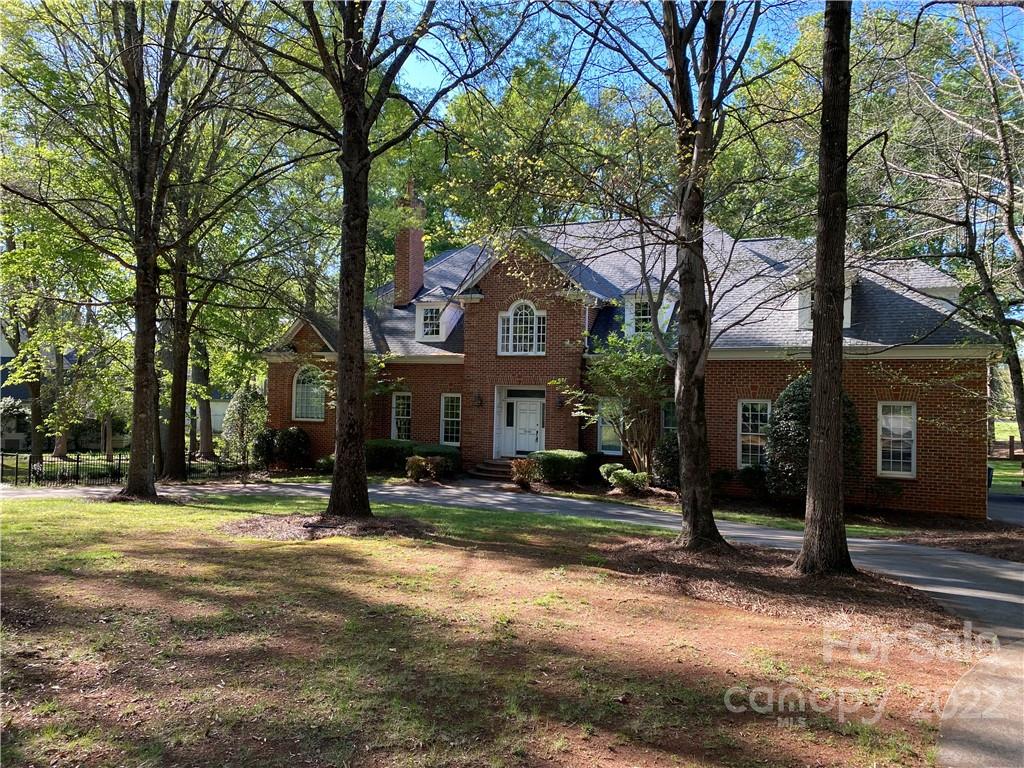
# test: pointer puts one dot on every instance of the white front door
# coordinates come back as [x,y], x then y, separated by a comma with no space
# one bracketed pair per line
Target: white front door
[528,426]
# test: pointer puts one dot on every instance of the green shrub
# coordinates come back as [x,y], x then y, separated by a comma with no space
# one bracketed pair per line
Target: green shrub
[560,466]
[607,470]
[264,447]
[292,447]
[789,437]
[524,472]
[630,482]
[325,465]
[666,462]
[450,455]
[392,455]
[755,479]
[719,479]
[388,455]
[419,468]
[592,467]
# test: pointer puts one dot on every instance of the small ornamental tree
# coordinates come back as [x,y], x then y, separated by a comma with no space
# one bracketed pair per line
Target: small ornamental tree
[629,375]
[245,418]
[789,439]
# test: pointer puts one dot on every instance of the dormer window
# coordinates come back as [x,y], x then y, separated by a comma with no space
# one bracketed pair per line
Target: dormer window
[805,303]
[522,330]
[434,321]
[431,322]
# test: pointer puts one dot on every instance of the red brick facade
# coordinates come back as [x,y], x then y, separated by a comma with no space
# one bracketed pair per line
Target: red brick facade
[950,396]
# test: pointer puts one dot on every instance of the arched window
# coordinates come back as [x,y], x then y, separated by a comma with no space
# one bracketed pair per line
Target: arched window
[308,395]
[522,330]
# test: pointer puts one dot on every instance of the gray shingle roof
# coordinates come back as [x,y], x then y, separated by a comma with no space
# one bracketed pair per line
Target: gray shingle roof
[755,285]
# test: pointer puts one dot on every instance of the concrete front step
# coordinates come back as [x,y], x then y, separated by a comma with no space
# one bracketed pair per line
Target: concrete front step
[493,469]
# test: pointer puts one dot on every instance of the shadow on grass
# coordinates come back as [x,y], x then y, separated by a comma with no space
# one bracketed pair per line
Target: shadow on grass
[213,651]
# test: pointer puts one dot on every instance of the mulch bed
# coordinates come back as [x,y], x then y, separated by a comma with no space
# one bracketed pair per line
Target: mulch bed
[311,527]
[761,580]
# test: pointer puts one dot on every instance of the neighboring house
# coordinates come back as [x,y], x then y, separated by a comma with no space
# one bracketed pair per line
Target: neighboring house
[15,431]
[218,407]
[476,335]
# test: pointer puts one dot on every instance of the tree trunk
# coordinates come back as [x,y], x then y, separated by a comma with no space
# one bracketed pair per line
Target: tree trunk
[35,418]
[349,494]
[139,482]
[193,439]
[695,146]
[201,378]
[174,467]
[824,547]
[60,440]
[108,436]
[699,529]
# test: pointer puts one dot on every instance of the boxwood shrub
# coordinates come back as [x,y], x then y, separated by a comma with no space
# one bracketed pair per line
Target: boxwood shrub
[560,466]
[292,447]
[393,455]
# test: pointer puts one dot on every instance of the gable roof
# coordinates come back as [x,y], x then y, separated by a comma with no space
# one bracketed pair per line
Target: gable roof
[755,283]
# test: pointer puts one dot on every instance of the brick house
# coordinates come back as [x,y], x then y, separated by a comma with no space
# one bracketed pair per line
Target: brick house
[475,335]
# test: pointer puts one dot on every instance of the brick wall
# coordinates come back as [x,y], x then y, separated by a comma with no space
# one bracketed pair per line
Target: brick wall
[950,397]
[532,278]
[426,383]
[280,377]
[951,403]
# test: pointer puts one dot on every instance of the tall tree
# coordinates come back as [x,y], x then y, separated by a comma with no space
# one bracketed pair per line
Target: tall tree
[824,548]
[357,52]
[691,74]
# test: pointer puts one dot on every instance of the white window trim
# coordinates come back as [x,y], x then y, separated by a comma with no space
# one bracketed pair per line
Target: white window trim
[600,426]
[739,427]
[295,382]
[420,335]
[441,439]
[507,314]
[394,413]
[912,475]
[805,322]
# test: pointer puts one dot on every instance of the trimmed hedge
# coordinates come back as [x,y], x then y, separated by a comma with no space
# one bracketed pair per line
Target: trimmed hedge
[630,482]
[607,470]
[292,447]
[392,455]
[666,462]
[264,447]
[560,466]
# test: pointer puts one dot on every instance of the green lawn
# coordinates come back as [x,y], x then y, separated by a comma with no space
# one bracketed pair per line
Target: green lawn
[1005,428]
[765,518]
[1007,475]
[325,479]
[145,635]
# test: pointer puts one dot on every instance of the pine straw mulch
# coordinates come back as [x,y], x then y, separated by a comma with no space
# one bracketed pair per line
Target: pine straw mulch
[311,527]
[761,580]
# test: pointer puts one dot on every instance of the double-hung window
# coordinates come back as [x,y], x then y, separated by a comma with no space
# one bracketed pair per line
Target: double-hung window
[897,440]
[431,322]
[751,432]
[523,330]
[669,425]
[308,395]
[642,318]
[609,418]
[401,416]
[451,419]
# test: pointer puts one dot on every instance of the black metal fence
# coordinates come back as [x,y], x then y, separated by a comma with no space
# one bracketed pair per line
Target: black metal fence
[93,469]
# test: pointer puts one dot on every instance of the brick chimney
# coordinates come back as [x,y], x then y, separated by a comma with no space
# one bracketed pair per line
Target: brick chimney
[409,250]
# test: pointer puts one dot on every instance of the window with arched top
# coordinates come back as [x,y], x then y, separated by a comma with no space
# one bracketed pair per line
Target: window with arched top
[308,395]
[522,330]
